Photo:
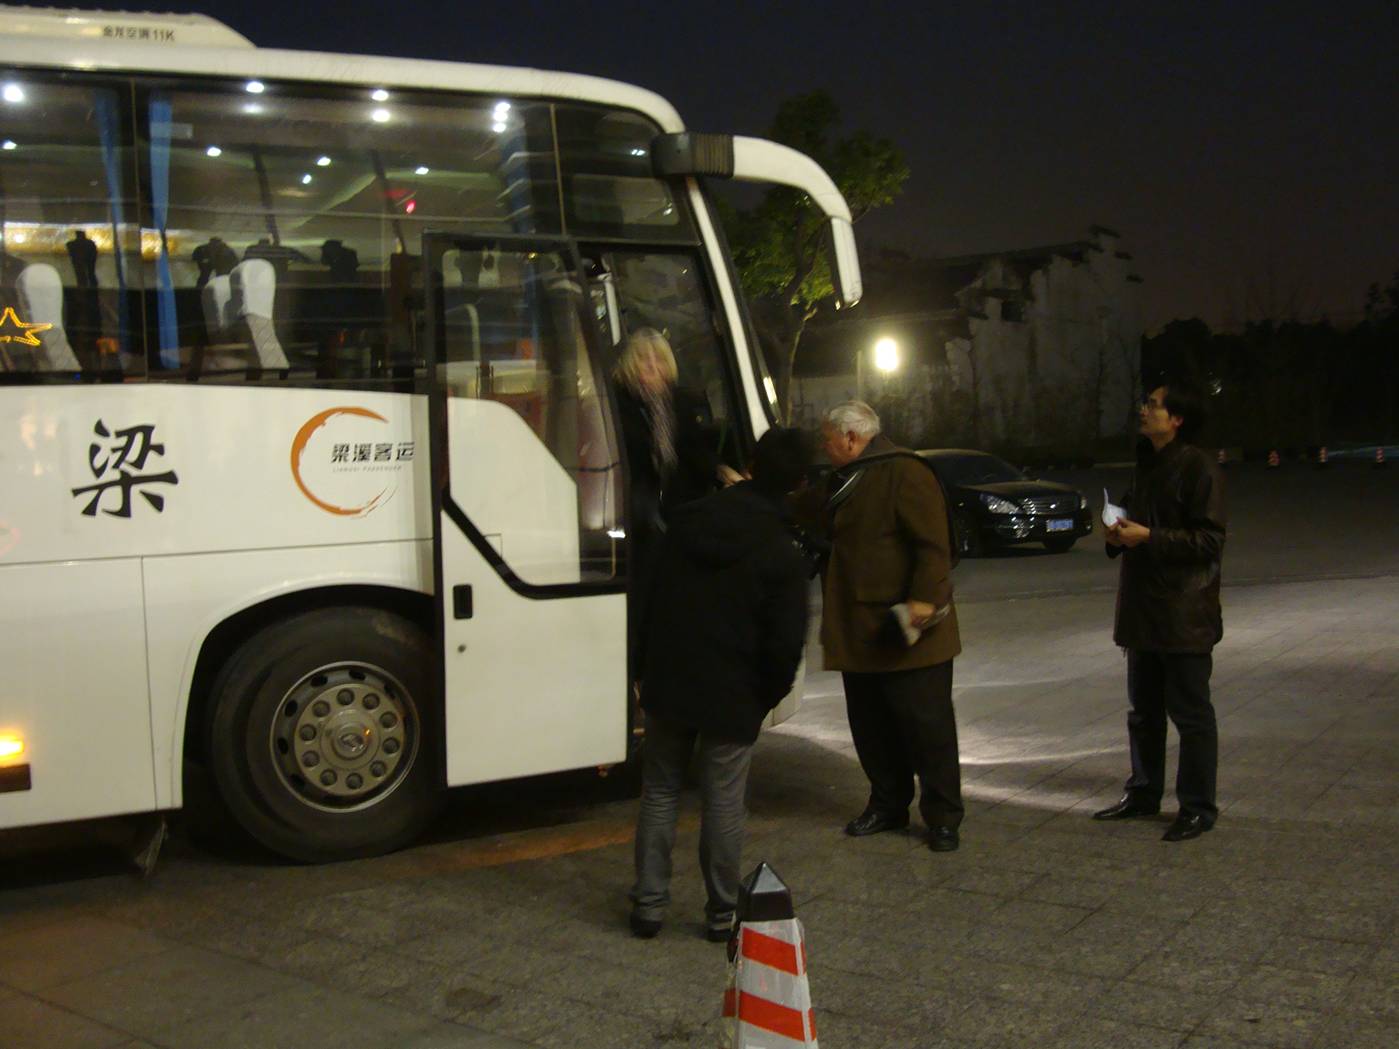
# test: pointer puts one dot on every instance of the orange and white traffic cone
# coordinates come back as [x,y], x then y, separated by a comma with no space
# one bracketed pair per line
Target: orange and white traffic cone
[1321,456]
[1379,455]
[767,1004]
[1273,459]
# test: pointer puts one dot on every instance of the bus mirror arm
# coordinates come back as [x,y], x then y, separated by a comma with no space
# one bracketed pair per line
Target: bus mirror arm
[747,159]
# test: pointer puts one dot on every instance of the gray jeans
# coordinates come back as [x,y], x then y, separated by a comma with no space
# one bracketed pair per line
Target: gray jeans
[723,768]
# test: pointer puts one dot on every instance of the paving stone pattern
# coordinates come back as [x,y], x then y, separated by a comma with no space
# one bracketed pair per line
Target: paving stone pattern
[1046,929]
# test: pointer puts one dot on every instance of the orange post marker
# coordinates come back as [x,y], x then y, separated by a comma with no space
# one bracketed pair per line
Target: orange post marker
[767,1004]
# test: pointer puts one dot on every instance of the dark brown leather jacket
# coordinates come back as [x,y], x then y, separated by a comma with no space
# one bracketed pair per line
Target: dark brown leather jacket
[1168,591]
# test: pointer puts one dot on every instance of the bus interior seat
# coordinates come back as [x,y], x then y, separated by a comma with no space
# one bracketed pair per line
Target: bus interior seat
[39,289]
[253,287]
[461,368]
[221,355]
[217,300]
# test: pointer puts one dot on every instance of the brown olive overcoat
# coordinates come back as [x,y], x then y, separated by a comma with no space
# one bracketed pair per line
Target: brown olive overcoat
[889,543]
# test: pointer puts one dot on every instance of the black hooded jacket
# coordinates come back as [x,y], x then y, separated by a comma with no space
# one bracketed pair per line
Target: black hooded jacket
[727,615]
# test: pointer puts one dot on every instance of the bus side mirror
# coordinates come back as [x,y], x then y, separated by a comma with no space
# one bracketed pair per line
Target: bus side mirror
[688,153]
[845,262]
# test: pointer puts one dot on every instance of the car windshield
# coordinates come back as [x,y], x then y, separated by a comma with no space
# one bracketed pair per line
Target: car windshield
[974,469]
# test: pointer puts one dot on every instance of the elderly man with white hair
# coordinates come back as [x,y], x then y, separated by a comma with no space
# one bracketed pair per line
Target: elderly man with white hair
[886,517]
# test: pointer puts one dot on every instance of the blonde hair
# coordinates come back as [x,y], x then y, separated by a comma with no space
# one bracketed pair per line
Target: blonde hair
[644,342]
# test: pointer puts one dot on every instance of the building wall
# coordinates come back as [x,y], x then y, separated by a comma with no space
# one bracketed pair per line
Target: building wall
[1068,371]
[1044,344]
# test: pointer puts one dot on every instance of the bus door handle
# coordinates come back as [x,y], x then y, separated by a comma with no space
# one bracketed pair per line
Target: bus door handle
[461,601]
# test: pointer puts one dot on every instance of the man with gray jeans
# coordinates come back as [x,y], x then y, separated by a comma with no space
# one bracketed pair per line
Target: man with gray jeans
[721,645]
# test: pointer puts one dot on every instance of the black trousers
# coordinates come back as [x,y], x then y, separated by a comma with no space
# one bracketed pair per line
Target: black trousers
[1174,685]
[903,725]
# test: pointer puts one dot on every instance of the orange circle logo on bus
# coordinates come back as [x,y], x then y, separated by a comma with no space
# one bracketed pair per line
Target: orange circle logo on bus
[345,455]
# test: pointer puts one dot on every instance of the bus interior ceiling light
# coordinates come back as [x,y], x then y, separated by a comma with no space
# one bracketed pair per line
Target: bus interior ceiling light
[14,93]
[323,162]
[255,87]
[9,143]
[214,151]
[379,95]
[421,169]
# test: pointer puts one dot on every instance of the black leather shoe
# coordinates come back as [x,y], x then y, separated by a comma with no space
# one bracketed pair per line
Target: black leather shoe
[943,839]
[1186,827]
[1126,809]
[871,821]
[644,928]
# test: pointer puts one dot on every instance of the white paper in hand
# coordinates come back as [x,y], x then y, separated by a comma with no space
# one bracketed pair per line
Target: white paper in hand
[904,618]
[1112,513]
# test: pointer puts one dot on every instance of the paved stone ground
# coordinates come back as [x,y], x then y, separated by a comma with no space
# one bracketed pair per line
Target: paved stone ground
[507,928]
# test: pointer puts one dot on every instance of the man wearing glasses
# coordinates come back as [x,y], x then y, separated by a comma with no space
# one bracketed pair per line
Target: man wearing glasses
[1168,616]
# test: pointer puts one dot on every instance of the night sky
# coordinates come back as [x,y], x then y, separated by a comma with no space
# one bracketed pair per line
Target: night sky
[1248,152]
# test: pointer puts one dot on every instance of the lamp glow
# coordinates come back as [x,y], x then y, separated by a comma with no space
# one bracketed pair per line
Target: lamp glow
[379,95]
[380,116]
[886,355]
[11,747]
[14,93]
[213,151]
[323,162]
[255,87]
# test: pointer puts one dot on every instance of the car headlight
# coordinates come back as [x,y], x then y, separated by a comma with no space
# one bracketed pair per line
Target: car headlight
[997,505]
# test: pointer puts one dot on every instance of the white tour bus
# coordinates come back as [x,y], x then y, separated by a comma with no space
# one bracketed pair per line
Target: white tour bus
[310,468]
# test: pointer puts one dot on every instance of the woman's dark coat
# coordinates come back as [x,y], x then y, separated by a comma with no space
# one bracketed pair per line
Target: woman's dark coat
[726,615]
[1168,593]
[654,496]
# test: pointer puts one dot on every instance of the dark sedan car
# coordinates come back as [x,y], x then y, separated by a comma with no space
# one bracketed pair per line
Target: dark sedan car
[994,504]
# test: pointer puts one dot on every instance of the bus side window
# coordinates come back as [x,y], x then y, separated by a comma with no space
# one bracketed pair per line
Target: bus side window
[67,254]
[286,230]
[513,334]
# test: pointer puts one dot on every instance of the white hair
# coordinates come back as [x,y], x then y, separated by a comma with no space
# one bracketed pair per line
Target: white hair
[855,417]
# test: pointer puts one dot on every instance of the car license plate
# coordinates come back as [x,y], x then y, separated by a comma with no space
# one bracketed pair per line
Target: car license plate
[1059,524]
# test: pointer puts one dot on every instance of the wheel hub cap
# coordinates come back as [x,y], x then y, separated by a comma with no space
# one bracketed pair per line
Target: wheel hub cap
[345,736]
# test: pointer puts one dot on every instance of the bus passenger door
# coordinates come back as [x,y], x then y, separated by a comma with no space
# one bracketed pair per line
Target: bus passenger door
[529,511]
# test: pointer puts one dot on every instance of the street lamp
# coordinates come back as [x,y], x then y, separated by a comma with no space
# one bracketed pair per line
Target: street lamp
[886,360]
[886,355]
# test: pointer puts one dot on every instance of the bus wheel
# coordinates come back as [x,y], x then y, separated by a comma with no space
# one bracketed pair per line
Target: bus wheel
[323,741]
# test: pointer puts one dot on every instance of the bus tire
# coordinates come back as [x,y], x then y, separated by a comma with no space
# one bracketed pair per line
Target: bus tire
[324,741]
